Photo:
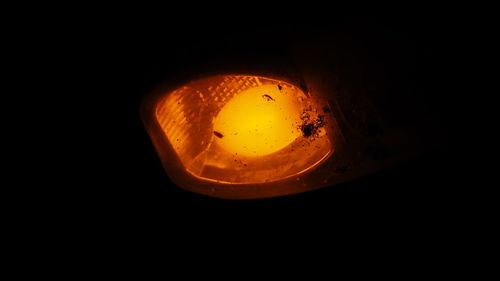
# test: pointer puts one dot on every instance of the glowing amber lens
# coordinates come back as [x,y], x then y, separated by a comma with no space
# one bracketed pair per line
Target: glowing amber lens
[242,129]
[258,121]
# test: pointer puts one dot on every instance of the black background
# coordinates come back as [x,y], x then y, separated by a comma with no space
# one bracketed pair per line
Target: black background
[117,180]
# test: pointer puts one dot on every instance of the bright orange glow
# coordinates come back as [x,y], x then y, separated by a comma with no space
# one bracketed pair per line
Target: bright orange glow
[241,129]
[258,121]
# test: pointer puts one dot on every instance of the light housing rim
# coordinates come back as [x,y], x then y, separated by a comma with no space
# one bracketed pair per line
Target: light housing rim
[185,180]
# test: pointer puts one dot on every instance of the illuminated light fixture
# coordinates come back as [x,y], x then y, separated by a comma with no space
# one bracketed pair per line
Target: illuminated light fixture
[240,136]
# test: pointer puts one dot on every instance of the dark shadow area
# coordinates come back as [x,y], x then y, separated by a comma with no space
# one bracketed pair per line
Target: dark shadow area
[124,183]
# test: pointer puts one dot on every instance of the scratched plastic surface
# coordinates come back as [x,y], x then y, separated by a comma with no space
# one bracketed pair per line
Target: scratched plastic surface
[188,116]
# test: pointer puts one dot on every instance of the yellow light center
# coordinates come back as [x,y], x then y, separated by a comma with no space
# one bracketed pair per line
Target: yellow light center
[258,121]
